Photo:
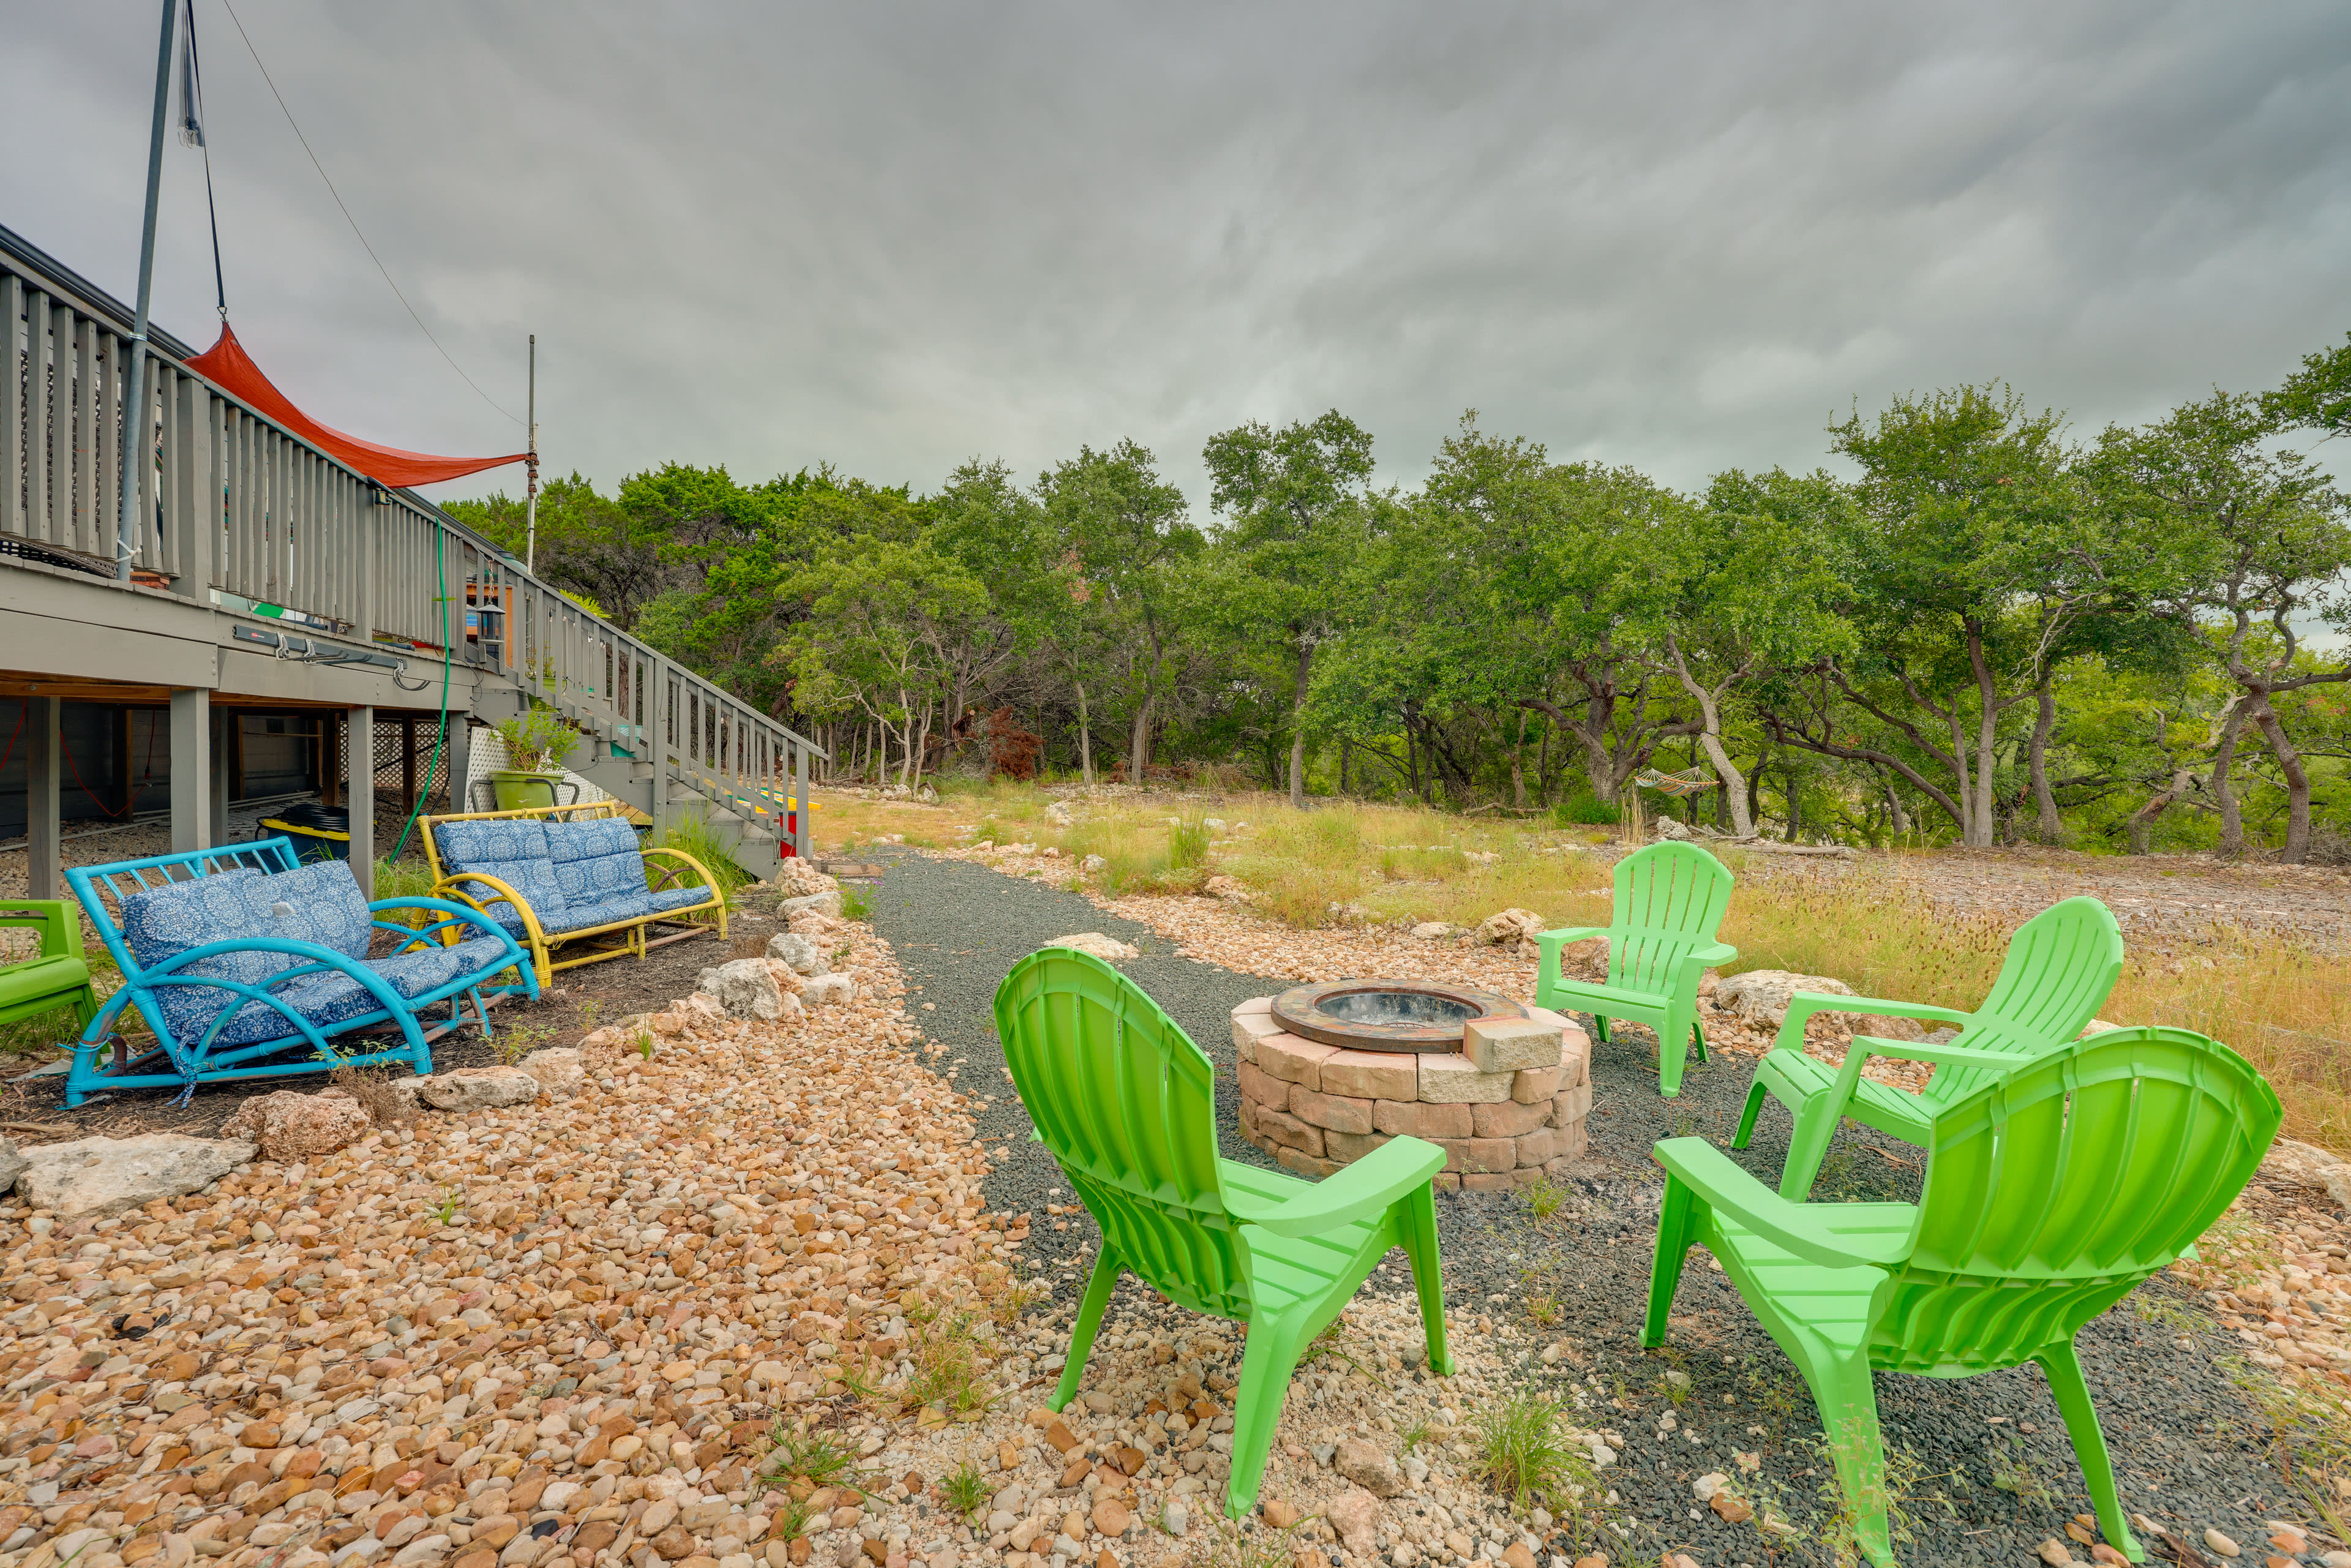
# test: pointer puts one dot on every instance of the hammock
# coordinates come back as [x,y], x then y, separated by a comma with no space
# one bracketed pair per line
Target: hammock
[1689,781]
[228,366]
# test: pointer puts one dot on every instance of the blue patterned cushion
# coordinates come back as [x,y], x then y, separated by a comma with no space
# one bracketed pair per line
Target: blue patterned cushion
[599,867]
[611,913]
[323,905]
[670,898]
[429,968]
[326,907]
[515,850]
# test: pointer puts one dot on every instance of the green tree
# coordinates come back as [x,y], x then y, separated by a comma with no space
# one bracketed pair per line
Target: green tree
[1751,588]
[2258,539]
[1124,536]
[1295,498]
[1973,556]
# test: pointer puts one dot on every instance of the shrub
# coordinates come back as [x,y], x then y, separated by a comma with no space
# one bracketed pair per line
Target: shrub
[1584,810]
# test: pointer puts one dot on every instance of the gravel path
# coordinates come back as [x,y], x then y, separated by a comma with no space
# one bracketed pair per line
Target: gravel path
[1995,1475]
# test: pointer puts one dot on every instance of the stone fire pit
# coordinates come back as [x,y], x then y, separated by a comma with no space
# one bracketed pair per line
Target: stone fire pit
[1501,1088]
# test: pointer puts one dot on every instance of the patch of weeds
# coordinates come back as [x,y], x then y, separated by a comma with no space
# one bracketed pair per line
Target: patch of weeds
[1684,1123]
[2308,1438]
[1523,1452]
[856,902]
[644,1042]
[1544,1311]
[792,1516]
[374,1093]
[1544,1198]
[949,1368]
[1413,1437]
[516,1044]
[1839,1172]
[1326,1344]
[2151,1306]
[453,1198]
[2013,1471]
[1904,1475]
[590,1009]
[965,1489]
[1187,842]
[1228,1546]
[797,1451]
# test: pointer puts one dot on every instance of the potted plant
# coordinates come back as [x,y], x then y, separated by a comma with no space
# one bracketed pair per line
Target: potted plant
[537,743]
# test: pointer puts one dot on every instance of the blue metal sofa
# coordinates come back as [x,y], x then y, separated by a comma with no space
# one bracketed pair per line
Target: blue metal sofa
[245,963]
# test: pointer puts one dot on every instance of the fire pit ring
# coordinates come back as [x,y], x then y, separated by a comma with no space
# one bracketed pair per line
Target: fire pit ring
[1388,1015]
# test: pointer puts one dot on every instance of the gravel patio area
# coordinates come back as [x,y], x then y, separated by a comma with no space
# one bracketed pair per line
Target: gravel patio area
[1992,1475]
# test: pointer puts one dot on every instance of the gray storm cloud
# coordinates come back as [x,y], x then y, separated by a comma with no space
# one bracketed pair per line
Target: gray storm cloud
[1679,235]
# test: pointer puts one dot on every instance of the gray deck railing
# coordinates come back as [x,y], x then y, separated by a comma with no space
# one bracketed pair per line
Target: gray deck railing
[242,515]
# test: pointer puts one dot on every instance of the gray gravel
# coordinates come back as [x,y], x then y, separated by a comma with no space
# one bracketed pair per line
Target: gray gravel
[2190,1451]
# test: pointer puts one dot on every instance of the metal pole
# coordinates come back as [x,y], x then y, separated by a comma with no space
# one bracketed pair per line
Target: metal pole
[138,439]
[530,496]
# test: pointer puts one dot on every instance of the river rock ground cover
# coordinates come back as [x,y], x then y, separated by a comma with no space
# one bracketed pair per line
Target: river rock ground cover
[791,1293]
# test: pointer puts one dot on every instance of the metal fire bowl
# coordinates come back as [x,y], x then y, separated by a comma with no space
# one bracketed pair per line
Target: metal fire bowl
[1387,1015]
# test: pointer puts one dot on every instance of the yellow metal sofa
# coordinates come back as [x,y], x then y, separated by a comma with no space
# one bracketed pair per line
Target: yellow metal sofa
[557,876]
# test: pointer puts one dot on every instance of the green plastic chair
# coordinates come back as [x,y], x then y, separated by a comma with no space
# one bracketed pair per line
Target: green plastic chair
[2053,1189]
[2061,964]
[1124,1102]
[1670,897]
[60,978]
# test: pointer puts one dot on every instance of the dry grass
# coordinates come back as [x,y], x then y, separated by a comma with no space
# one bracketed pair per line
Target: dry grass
[2287,1009]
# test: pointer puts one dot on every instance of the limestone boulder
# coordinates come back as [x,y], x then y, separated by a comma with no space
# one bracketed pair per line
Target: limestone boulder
[1508,927]
[2306,1165]
[744,988]
[290,1127]
[478,1088]
[560,1073]
[825,903]
[829,991]
[110,1176]
[12,1165]
[803,957]
[1760,996]
[1109,949]
[799,879]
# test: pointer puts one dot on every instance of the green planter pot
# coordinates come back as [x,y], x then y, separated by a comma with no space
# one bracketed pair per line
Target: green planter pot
[515,792]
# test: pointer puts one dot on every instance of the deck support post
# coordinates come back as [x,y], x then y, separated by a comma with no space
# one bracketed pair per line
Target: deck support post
[225,723]
[458,753]
[43,824]
[359,792]
[191,769]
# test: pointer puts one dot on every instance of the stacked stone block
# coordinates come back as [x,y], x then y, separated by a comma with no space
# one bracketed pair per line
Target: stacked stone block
[1508,1109]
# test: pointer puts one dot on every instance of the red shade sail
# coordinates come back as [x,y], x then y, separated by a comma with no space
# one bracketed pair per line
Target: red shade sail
[227,365]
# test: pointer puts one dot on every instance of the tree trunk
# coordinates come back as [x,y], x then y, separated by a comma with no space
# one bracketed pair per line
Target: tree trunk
[1980,803]
[2224,790]
[2297,781]
[1733,784]
[1346,748]
[2051,828]
[1755,787]
[1792,783]
[1894,812]
[2143,820]
[1141,747]
[1085,740]
[1298,727]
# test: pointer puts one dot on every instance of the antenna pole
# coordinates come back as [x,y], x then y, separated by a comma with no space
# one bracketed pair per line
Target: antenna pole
[138,433]
[530,496]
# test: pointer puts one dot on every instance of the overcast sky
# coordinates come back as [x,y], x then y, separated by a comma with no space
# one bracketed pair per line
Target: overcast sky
[1682,236]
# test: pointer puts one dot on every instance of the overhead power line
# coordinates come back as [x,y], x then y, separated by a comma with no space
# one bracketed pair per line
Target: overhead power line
[354,222]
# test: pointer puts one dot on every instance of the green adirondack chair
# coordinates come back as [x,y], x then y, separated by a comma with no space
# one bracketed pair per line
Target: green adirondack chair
[1670,897]
[2053,1189]
[1124,1099]
[60,978]
[2061,964]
